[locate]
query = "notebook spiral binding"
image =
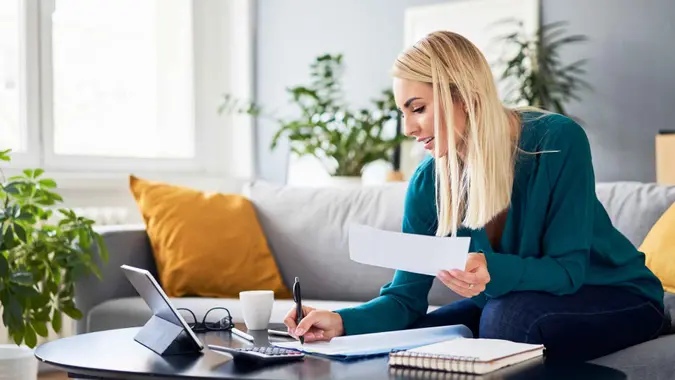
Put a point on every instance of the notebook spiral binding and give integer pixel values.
(423, 374)
(402, 358)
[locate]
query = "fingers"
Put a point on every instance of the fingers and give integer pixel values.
(471, 264)
(314, 335)
(465, 277)
(307, 323)
(474, 261)
(289, 320)
(461, 287)
(291, 317)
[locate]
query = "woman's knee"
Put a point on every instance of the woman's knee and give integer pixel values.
(463, 312)
(512, 317)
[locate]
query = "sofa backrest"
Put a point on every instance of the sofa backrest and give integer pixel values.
(307, 230)
(634, 207)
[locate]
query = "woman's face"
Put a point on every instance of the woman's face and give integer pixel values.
(415, 100)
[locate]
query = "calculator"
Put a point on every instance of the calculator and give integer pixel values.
(260, 354)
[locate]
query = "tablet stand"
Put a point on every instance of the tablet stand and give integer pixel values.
(165, 338)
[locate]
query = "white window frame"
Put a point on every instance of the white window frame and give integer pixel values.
(223, 63)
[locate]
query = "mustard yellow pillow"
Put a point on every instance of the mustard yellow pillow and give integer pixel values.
(205, 244)
(659, 249)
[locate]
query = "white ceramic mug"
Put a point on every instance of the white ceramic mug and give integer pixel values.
(257, 308)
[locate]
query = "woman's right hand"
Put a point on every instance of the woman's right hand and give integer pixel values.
(317, 325)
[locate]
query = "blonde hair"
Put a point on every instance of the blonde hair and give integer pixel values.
(473, 188)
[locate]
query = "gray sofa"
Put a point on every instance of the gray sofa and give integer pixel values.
(307, 229)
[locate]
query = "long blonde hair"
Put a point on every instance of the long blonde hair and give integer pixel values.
(474, 187)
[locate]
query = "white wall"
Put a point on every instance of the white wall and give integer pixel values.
(631, 52)
(291, 33)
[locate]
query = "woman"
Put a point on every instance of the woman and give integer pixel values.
(547, 265)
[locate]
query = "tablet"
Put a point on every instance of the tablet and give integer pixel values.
(153, 295)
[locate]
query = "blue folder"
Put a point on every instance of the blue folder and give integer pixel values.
(368, 345)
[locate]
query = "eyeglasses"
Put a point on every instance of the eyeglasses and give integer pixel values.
(218, 320)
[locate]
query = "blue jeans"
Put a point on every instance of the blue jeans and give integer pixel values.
(593, 322)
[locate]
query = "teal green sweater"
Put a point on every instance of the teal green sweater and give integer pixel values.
(557, 236)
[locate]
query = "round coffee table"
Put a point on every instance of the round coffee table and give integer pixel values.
(114, 354)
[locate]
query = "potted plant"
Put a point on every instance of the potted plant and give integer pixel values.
(344, 140)
(531, 68)
(39, 262)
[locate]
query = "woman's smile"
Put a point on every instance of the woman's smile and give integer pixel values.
(427, 141)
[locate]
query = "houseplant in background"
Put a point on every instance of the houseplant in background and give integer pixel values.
(39, 262)
(343, 139)
(531, 68)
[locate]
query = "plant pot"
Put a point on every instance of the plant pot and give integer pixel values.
(342, 181)
(17, 363)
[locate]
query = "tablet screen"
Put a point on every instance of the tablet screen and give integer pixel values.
(153, 294)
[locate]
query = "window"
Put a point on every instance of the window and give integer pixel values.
(119, 86)
(12, 128)
(122, 78)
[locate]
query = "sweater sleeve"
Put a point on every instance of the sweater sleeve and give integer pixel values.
(403, 300)
(568, 231)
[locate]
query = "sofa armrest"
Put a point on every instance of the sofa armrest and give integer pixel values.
(127, 244)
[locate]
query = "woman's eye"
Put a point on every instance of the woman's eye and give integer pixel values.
(419, 109)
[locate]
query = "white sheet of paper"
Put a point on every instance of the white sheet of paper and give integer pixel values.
(368, 344)
(409, 252)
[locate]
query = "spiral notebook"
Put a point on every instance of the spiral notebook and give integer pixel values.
(475, 356)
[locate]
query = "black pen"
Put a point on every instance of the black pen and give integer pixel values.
(297, 297)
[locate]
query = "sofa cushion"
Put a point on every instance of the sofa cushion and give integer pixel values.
(307, 230)
(634, 207)
(645, 361)
(659, 249)
(205, 244)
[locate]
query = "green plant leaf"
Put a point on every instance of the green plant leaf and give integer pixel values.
(28, 173)
(12, 188)
(47, 183)
(27, 213)
(41, 300)
(43, 315)
(40, 328)
(102, 248)
(17, 336)
(15, 309)
(52, 286)
(72, 311)
(4, 267)
(56, 321)
(8, 239)
(4, 155)
(20, 232)
(25, 291)
(22, 278)
(6, 312)
(29, 336)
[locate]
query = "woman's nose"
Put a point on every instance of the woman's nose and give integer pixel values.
(410, 128)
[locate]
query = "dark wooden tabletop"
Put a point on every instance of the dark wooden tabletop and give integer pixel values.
(115, 355)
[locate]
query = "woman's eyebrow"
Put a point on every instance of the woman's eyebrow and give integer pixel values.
(407, 102)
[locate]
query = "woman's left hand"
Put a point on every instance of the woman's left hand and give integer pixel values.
(472, 280)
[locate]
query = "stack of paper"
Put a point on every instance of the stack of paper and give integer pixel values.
(356, 346)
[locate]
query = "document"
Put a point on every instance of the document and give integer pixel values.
(356, 346)
(409, 252)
